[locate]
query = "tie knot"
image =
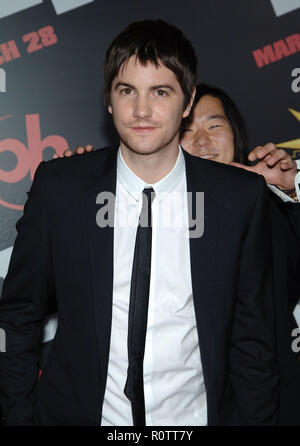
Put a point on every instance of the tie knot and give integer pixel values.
(145, 216)
(149, 192)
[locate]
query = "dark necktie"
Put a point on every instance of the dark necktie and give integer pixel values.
(138, 311)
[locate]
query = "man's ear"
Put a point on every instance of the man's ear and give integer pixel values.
(110, 109)
(188, 108)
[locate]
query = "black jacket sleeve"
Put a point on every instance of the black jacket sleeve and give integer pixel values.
(26, 301)
(253, 364)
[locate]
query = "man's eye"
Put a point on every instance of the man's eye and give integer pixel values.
(161, 93)
(214, 126)
(125, 91)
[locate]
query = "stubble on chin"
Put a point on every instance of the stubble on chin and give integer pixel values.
(146, 148)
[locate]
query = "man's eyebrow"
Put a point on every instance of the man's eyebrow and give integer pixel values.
(123, 84)
(168, 86)
(217, 117)
(154, 87)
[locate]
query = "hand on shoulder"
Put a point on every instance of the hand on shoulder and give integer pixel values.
(79, 150)
(277, 167)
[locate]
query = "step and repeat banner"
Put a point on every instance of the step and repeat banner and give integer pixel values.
(51, 77)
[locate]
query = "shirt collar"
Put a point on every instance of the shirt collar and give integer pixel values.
(135, 185)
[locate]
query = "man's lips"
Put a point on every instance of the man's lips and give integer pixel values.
(209, 155)
(143, 129)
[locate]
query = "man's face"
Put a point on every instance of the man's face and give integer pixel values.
(209, 135)
(147, 107)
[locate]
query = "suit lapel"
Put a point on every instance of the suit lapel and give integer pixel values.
(101, 253)
(203, 253)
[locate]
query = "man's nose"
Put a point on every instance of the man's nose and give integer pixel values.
(201, 138)
(142, 107)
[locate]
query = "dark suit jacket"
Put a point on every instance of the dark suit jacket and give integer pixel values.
(60, 251)
(285, 229)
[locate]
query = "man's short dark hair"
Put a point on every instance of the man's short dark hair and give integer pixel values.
(153, 41)
(232, 113)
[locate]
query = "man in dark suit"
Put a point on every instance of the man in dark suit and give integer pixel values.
(208, 354)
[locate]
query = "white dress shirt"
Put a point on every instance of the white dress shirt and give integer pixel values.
(173, 380)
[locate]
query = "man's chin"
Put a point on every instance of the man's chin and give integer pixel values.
(140, 150)
(143, 147)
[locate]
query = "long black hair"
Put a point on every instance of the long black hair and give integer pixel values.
(232, 113)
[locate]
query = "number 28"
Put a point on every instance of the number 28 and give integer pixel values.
(38, 40)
